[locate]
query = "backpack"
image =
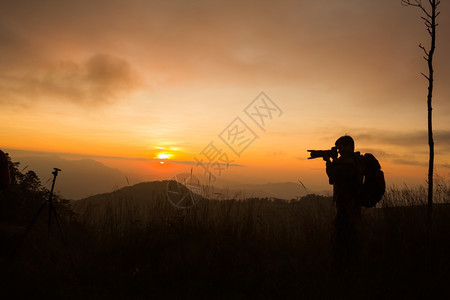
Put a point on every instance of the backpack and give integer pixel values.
(5, 176)
(374, 185)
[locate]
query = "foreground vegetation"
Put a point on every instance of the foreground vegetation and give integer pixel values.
(253, 248)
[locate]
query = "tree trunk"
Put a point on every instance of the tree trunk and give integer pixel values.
(432, 31)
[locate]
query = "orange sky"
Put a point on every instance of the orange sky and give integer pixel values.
(130, 79)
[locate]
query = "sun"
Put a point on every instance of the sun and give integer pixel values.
(163, 155)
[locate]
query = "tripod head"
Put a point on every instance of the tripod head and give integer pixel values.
(55, 172)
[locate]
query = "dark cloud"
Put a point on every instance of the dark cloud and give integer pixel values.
(405, 139)
(379, 153)
(404, 159)
(16, 50)
(415, 146)
(409, 162)
(101, 79)
(314, 44)
(412, 158)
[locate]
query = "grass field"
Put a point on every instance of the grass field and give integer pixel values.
(252, 248)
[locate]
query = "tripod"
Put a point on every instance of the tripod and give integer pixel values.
(51, 210)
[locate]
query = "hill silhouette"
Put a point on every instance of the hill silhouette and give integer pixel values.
(281, 190)
(126, 206)
(136, 205)
(82, 178)
(79, 178)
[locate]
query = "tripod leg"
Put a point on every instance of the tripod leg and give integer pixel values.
(50, 204)
(62, 236)
(34, 220)
(30, 226)
(52, 207)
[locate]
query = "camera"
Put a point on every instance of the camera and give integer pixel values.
(333, 153)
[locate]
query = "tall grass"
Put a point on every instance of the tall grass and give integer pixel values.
(135, 244)
(418, 195)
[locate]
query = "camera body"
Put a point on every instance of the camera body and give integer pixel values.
(333, 153)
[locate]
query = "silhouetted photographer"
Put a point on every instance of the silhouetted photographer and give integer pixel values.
(357, 182)
(345, 173)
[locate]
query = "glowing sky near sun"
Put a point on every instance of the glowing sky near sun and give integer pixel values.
(134, 83)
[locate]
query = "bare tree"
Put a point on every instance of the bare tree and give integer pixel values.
(430, 15)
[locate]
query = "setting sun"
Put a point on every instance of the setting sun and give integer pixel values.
(163, 155)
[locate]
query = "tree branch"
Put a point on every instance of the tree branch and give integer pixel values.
(427, 22)
(408, 3)
(424, 50)
(418, 3)
(428, 78)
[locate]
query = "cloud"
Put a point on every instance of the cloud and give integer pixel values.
(402, 147)
(409, 162)
(99, 80)
(313, 44)
(411, 147)
(405, 139)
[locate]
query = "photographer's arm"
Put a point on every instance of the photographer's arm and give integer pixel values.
(330, 169)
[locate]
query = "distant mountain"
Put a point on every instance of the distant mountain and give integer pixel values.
(281, 190)
(78, 178)
(148, 202)
(128, 205)
(86, 177)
